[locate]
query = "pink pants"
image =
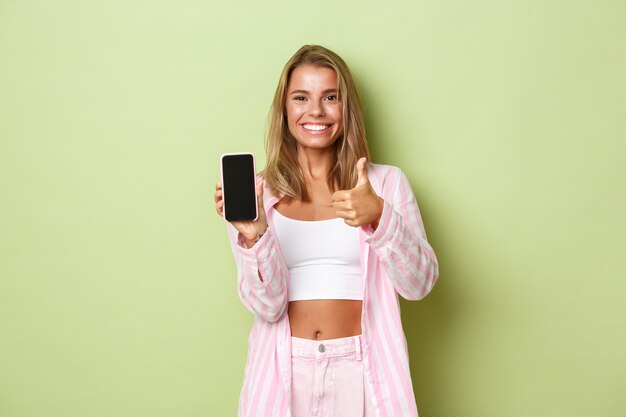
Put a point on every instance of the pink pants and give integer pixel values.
(328, 379)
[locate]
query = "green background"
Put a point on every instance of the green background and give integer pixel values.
(117, 285)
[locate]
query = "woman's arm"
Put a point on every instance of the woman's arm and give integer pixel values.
(261, 275)
(400, 240)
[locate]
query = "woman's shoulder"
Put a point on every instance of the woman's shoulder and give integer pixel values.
(384, 178)
(269, 196)
(384, 170)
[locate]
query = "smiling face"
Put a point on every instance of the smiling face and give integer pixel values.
(314, 110)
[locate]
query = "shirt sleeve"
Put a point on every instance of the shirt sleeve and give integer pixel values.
(400, 240)
(261, 275)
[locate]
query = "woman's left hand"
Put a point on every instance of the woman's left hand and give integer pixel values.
(360, 205)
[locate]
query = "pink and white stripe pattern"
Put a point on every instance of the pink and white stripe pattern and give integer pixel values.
(396, 259)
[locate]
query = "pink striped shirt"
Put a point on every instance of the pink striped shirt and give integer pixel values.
(395, 258)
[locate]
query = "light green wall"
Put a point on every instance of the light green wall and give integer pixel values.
(117, 287)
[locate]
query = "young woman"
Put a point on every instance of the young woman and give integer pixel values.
(336, 241)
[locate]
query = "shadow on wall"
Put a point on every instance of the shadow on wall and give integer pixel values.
(430, 327)
(427, 326)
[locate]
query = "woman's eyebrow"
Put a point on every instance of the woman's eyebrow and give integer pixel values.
(329, 90)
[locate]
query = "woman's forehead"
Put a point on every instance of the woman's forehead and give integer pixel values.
(312, 78)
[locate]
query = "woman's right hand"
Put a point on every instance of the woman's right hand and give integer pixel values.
(249, 229)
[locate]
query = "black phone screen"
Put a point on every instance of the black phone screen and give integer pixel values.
(238, 186)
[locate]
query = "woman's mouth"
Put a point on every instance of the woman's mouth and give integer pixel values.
(316, 129)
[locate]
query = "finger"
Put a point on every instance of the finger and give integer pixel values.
(346, 214)
(218, 195)
(219, 207)
(361, 172)
(351, 222)
(259, 194)
(342, 205)
(340, 195)
(218, 186)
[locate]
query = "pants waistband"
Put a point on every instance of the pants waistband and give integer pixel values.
(314, 349)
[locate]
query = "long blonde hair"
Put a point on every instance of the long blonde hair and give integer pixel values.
(283, 173)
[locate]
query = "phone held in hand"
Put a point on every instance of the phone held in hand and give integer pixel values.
(239, 187)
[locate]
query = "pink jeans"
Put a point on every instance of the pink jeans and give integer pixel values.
(328, 379)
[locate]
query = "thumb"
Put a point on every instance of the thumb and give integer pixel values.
(259, 193)
(361, 172)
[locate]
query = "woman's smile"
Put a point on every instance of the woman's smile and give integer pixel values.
(316, 129)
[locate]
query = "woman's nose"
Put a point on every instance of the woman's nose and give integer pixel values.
(316, 109)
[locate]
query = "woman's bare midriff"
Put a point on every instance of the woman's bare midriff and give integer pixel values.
(320, 319)
(325, 319)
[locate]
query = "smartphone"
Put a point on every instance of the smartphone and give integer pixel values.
(239, 187)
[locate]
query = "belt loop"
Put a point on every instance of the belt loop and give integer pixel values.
(357, 343)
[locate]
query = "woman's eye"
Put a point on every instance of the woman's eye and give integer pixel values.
(299, 98)
(331, 98)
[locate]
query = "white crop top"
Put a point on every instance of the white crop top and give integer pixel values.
(322, 257)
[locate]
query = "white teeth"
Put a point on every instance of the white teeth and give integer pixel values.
(316, 127)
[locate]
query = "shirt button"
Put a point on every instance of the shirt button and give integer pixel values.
(321, 348)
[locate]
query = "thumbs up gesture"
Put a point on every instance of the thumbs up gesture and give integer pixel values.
(360, 205)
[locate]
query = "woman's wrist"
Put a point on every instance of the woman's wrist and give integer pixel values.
(251, 241)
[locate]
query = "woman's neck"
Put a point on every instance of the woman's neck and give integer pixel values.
(315, 163)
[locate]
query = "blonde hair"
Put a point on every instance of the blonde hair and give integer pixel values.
(283, 173)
